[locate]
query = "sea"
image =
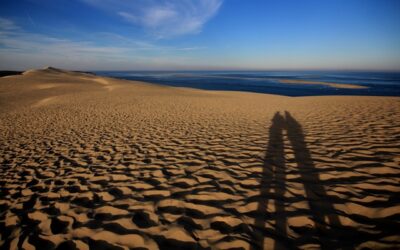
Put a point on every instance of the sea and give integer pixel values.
(377, 83)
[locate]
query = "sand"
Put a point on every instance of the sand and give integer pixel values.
(99, 163)
(330, 84)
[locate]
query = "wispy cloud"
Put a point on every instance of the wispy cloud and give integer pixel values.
(7, 25)
(163, 18)
(20, 49)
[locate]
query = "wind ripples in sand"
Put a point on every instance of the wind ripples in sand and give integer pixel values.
(155, 167)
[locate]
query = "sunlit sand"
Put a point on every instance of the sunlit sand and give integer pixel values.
(100, 163)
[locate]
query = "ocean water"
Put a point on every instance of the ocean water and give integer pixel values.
(378, 83)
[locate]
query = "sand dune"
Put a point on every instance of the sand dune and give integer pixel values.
(99, 163)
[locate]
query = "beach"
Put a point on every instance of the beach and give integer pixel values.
(90, 162)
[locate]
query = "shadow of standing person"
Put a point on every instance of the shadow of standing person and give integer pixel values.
(320, 207)
(273, 186)
(273, 178)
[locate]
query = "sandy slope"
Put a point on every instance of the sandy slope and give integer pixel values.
(99, 163)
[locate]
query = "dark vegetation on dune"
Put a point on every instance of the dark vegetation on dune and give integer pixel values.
(10, 73)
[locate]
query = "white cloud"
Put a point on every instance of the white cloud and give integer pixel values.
(20, 49)
(163, 18)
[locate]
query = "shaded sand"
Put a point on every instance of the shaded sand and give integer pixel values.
(330, 84)
(100, 163)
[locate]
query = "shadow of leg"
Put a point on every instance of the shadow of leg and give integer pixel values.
(273, 166)
(321, 208)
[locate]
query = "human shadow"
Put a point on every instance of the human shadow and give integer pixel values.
(273, 188)
(273, 179)
(321, 208)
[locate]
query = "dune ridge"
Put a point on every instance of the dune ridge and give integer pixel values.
(100, 163)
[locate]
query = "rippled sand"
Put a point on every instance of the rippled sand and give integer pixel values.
(99, 163)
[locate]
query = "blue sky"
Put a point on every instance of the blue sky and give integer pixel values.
(200, 34)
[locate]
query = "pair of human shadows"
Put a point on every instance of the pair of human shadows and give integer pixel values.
(321, 210)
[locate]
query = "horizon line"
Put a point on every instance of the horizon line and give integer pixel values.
(226, 69)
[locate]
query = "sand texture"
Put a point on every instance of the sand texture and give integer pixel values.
(99, 163)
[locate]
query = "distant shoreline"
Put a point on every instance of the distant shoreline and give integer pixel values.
(279, 82)
(291, 83)
(330, 84)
